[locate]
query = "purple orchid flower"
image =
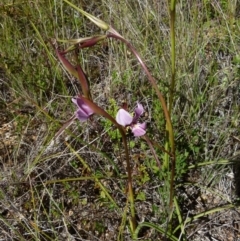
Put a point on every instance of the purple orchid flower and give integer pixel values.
(125, 119)
(84, 111)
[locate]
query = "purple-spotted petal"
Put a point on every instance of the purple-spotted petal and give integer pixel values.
(139, 129)
(124, 118)
(84, 111)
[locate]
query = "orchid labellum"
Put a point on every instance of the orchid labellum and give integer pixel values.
(125, 119)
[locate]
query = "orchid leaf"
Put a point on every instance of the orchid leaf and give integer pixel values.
(76, 72)
(101, 24)
(74, 41)
(83, 81)
(67, 65)
(65, 126)
(83, 42)
(92, 41)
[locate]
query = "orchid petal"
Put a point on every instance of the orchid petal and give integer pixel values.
(138, 112)
(77, 101)
(139, 129)
(123, 118)
(81, 115)
(84, 111)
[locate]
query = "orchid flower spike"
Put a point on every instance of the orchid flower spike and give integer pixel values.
(125, 119)
(84, 111)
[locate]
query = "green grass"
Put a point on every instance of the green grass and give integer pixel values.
(75, 186)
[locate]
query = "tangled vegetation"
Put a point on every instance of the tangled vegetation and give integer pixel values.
(119, 120)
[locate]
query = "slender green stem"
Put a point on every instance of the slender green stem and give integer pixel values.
(172, 10)
(100, 111)
(133, 221)
(173, 55)
(173, 60)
